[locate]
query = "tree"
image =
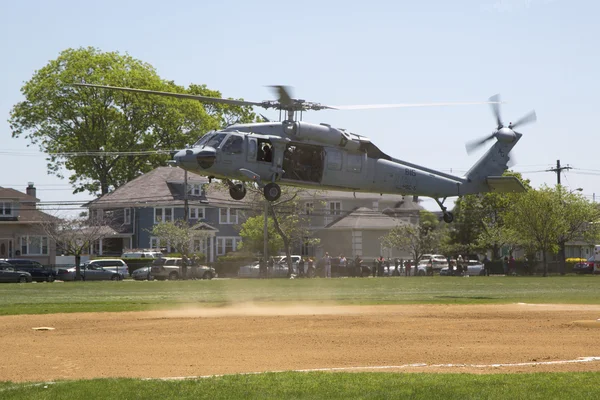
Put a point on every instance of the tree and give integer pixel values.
(252, 233)
(180, 235)
(75, 236)
(288, 215)
(536, 216)
(580, 217)
(480, 221)
(417, 239)
(64, 119)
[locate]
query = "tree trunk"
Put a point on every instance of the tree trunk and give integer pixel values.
(495, 252)
(286, 240)
(562, 267)
(545, 262)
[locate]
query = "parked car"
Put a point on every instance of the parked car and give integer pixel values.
(90, 272)
(252, 270)
(9, 274)
(171, 268)
(142, 274)
(111, 264)
(474, 267)
(439, 261)
(584, 268)
(38, 272)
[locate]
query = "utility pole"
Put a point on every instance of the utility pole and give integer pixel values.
(558, 170)
(186, 207)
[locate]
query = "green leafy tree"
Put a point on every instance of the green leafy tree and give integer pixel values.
(480, 221)
(180, 235)
(536, 216)
(63, 119)
(580, 217)
(252, 233)
(426, 237)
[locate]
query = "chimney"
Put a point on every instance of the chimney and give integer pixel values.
(415, 199)
(30, 189)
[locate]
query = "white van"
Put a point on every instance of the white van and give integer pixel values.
(141, 254)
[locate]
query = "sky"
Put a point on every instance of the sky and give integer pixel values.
(537, 54)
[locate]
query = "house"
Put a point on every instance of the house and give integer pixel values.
(22, 233)
(352, 223)
(131, 211)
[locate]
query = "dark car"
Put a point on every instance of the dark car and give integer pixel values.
(8, 274)
(38, 272)
(583, 268)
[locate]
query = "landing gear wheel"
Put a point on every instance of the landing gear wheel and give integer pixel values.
(272, 191)
(448, 217)
(237, 192)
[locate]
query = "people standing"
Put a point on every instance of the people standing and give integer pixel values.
(486, 265)
(505, 265)
(310, 269)
(343, 264)
(358, 266)
(459, 265)
(512, 266)
(327, 262)
(301, 267)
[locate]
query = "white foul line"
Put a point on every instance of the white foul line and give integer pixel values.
(404, 366)
(417, 365)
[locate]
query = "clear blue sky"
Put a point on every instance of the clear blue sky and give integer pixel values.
(538, 54)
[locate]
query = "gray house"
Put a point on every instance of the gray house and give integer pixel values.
(352, 223)
(159, 196)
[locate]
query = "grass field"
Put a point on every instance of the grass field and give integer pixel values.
(131, 296)
(44, 298)
(324, 385)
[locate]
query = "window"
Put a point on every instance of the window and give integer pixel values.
(196, 213)
(309, 207)
(34, 245)
(156, 244)
(334, 160)
(233, 145)
(228, 216)
(335, 208)
(227, 244)
(6, 208)
(163, 214)
(195, 189)
(127, 216)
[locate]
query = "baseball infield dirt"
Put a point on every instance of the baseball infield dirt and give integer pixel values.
(251, 338)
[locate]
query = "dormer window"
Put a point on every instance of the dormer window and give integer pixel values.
(6, 208)
(195, 189)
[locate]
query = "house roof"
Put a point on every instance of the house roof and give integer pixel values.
(12, 194)
(365, 218)
(161, 186)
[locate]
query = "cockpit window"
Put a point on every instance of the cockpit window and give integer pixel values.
(215, 140)
(204, 138)
(233, 145)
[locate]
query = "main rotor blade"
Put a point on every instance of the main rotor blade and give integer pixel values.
(283, 94)
(475, 144)
(527, 119)
(177, 95)
(402, 105)
(494, 101)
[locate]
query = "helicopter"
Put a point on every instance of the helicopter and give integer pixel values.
(302, 154)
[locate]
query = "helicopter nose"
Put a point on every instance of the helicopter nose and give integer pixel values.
(188, 158)
(206, 157)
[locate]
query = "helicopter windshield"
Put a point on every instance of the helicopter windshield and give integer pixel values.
(202, 141)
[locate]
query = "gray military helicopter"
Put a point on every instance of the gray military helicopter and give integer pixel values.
(297, 153)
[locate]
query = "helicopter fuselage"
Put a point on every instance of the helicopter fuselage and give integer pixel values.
(310, 155)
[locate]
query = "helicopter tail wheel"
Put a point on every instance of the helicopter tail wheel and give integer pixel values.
(272, 191)
(448, 217)
(237, 191)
